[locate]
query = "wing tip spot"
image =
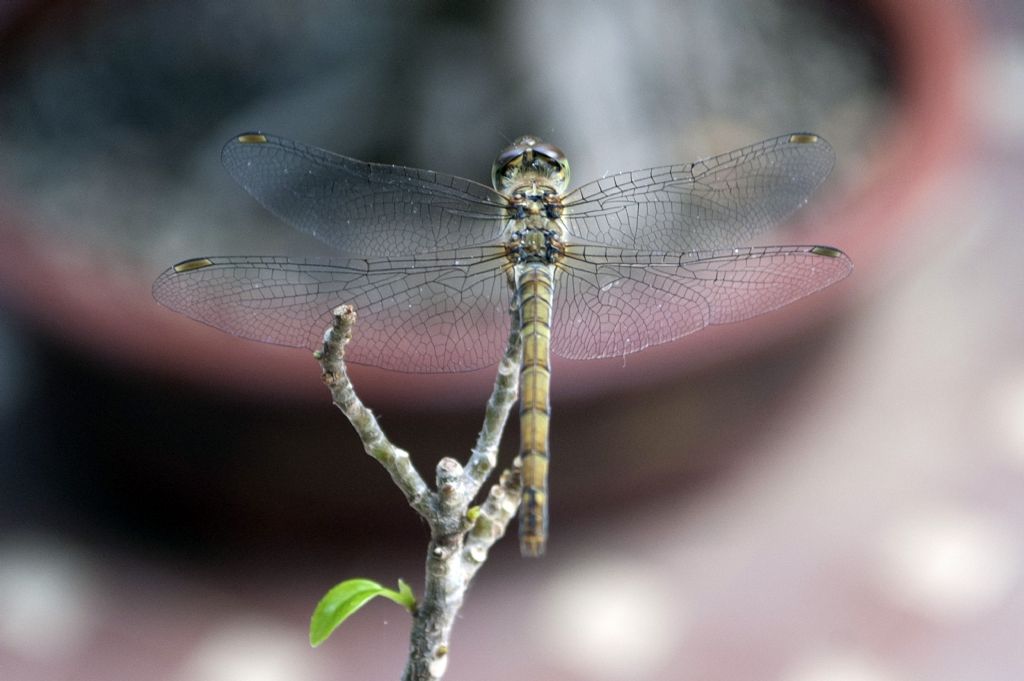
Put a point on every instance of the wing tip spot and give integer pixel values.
(804, 138)
(193, 264)
(827, 251)
(251, 138)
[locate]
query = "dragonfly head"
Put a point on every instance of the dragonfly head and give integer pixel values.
(530, 158)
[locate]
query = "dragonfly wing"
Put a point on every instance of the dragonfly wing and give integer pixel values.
(714, 203)
(612, 302)
(418, 314)
(363, 208)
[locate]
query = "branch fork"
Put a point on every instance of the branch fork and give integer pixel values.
(460, 536)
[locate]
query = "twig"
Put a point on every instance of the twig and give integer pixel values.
(335, 376)
(460, 538)
(503, 396)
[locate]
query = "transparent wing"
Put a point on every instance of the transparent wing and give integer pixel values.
(363, 208)
(611, 302)
(719, 202)
(437, 313)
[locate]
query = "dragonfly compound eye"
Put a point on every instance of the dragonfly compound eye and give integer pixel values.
(526, 159)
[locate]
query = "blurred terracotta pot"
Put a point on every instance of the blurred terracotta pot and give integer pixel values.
(105, 307)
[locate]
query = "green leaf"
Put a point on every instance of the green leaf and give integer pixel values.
(344, 599)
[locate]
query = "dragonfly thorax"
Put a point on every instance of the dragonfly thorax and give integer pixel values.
(533, 204)
(534, 245)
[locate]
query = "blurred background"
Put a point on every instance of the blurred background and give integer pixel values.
(832, 491)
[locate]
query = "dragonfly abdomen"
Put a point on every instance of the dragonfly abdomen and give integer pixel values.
(536, 288)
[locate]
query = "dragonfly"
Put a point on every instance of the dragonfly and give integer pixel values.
(434, 263)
